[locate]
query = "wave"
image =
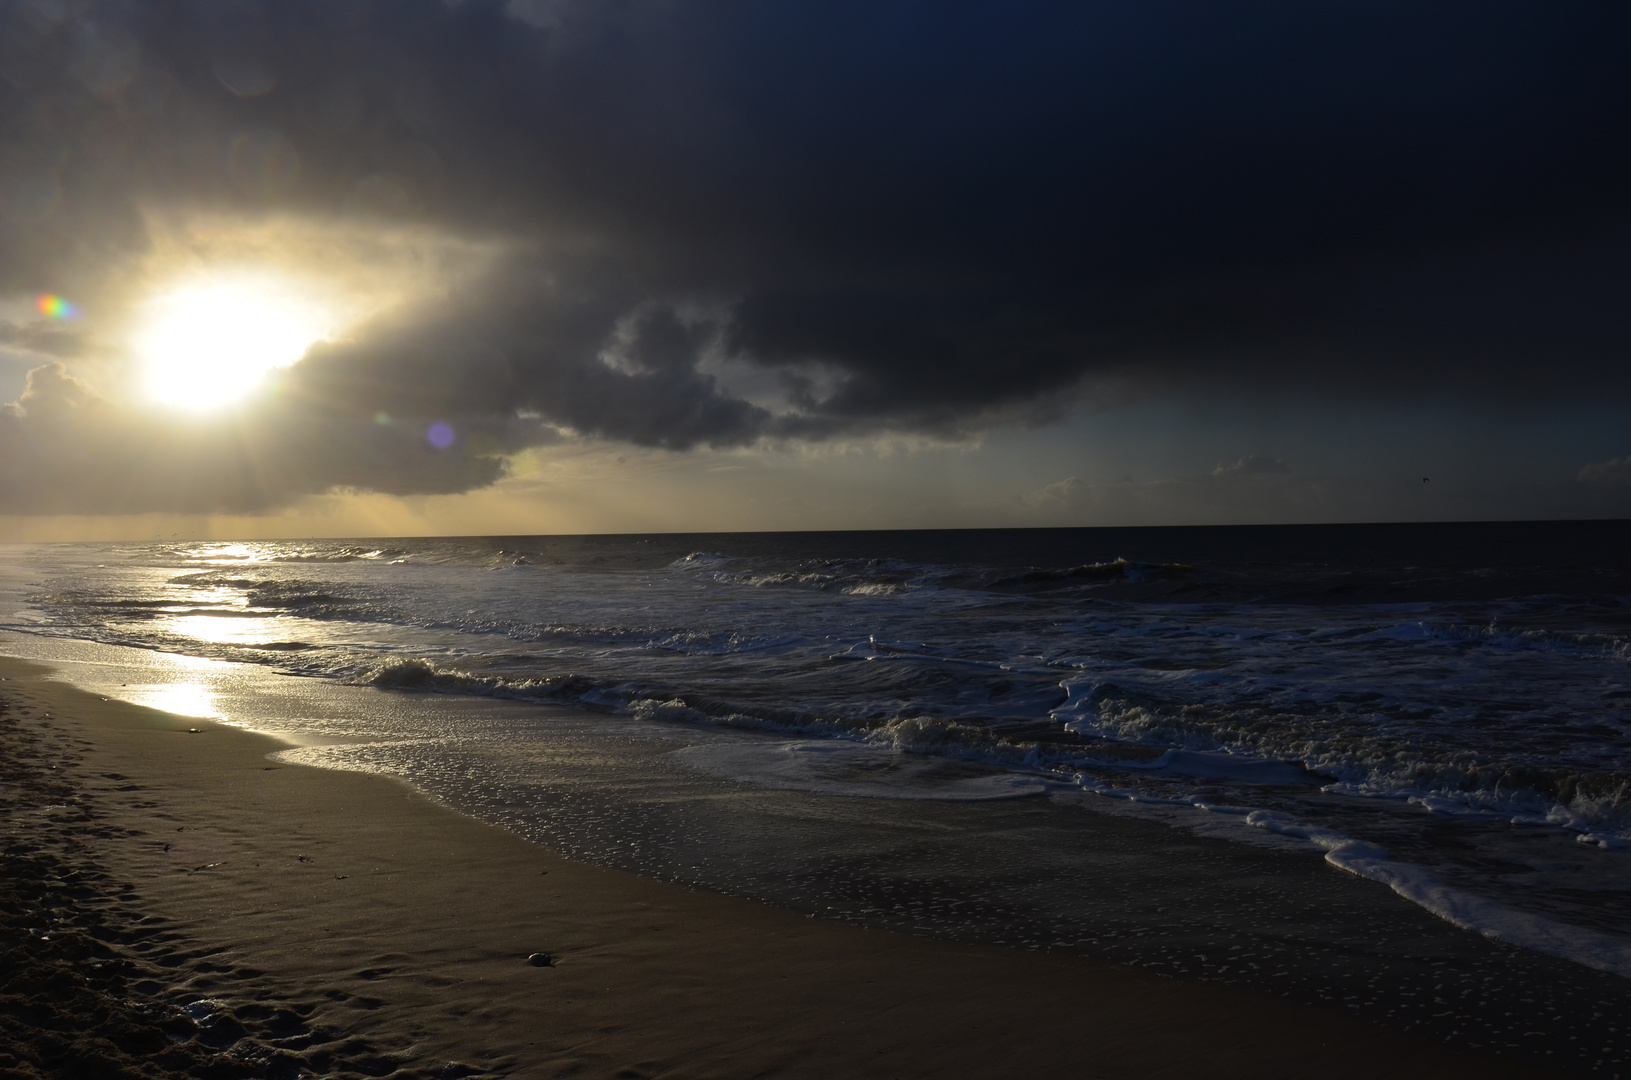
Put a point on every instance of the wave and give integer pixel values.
(1418, 884)
(1367, 762)
(1098, 729)
(881, 577)
(703, 560)
(263, 552)
(1031, 766)
(340, 555)
(1492, 636)
(1117, 569)
(298, 596)
(422, 675)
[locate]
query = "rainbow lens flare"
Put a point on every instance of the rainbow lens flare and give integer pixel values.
(53, 306)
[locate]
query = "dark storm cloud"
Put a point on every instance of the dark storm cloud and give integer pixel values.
(951, 211)
(597, 358)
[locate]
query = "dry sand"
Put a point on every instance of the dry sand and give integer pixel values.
(180, 905)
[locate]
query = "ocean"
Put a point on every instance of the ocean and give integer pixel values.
(1385, 768)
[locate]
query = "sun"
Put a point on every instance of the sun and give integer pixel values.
(208, 344)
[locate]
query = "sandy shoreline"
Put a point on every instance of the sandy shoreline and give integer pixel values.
(342, 924)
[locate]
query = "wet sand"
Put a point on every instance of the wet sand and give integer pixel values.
(181, 905)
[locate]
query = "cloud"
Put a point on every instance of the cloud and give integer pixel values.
(1616, 472)
(63, 449)
(956, 217)
(50, 395)
(1252, 488)
(1251, 465)
(1062, 495)
(43, 338)
(602, 364)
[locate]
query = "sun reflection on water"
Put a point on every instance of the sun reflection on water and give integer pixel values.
(228, 628)
(227, 554)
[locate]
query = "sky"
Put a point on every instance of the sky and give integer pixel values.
(402, 267)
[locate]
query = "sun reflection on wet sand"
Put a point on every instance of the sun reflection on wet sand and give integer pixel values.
(184, 685)
(301, 712)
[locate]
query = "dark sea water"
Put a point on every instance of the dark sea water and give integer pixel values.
(1383, 767)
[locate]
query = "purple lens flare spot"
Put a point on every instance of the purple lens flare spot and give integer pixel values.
(440, 436)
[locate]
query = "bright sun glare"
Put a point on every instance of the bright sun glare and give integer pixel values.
(208, 345)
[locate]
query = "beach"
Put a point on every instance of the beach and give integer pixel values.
(556, 538)
(273, 919)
